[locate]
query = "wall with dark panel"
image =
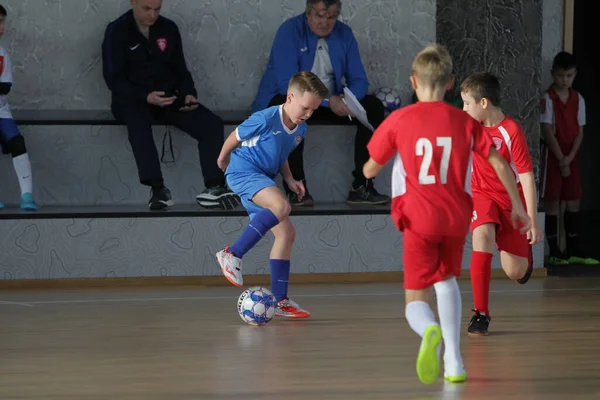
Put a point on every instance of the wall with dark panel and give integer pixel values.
(503, 37)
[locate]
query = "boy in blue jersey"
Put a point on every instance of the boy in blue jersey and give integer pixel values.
(11, 140)
(267, 138)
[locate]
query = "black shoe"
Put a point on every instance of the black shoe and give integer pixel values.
(306, 201)
(218, 197)
(528, 273)
(479, 324)
(160, 199)
(366, 194)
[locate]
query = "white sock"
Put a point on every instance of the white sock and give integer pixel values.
(23, 170)
(450, 309)
(419, 316)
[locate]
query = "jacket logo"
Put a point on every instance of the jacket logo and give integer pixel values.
(162, 44)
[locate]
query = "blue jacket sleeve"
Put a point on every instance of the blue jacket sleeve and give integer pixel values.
(113, 68)
(285, 56)
(356, 77)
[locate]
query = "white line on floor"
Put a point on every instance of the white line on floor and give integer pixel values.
(200, 298)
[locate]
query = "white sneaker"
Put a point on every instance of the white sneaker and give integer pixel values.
(290, 309)
(231, 266)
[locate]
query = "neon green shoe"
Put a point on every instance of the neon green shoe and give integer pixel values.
(556, 261)
(456, 376)
(582, 261)
(428, 360)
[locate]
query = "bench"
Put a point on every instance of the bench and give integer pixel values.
(179, 210)
(54, 119)
(104, 117)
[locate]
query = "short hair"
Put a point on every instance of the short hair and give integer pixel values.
(482, 85)
(564, 61)
(2, 11)
(306, 81)
(433, 65)
(328, 3)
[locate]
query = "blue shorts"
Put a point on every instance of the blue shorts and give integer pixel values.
(246, 185)
(8, 129)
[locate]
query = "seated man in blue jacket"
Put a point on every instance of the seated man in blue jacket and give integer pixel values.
(316, 41)
(144, 67)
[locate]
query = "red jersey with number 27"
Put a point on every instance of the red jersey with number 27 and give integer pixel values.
(510, 142)
(433, 143)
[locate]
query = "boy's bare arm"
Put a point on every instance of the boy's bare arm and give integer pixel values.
(230, 144)
(576, 145)
(507, 178)
(529, 191)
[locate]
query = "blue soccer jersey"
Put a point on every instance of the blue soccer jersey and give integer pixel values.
(266, 143)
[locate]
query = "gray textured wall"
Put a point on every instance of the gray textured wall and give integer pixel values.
(227, 43)
(134, 247)
(552, 37)
(505, 38)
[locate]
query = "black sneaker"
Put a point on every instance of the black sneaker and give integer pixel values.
(160, 199)
(528, 273)
(218, 197)
(306, 201)
(479, 324)
(367, 194)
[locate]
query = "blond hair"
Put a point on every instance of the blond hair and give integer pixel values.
(306, 81)
(433, 66)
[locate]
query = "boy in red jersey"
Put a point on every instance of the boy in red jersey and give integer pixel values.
(491, 223)
(433, 142)
(562, 120)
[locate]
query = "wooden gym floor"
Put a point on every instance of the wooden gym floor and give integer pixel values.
(187, 343)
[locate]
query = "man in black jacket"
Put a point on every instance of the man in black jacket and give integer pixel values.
(145, 69)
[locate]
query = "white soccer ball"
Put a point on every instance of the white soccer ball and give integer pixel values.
(389, 98)
(256, 306)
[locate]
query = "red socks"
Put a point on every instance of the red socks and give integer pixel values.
(481, 274)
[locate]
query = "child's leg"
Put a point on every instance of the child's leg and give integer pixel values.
(275, 208)
(266, 205)
(485, 220)
(421, 319)
(515, 267)
(420, 259)
(572, 228)
(449, 304)
(14, 142)
(484, 240)
(571, 194)
(551, 229)
(552, 183)
(280, 256)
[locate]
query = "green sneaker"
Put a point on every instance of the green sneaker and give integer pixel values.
(456, 378)
(428, 361)
(582, 261)
(555, 261)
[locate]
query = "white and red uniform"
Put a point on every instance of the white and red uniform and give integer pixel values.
(433, 143)
(566, 119)
(491, 203)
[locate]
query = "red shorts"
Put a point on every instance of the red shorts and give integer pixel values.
(429, 259)
(509, 239)
(554, 186)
